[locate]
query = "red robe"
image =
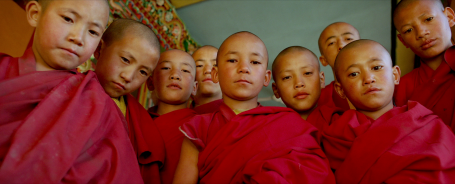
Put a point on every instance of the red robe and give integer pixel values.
(208, 107)
(407, 144)
(168, 125)
(434, 89)
(60, 126)
(331, 98)
(146, 138)
(261, 145)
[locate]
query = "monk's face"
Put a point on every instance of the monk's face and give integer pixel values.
(366, 76)
(124, 65)
(242, 67)
(424, 27)
(67, 32)
(298, 81)
(174, 77)
(205, 59)
(333, 39)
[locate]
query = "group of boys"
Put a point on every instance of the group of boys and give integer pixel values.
(59, 125)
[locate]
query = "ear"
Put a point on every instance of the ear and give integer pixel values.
(33, 11)
(450, 15)
(150, 84)
(339, 90)
(402, 41)
(195, 85)
(215, 74)
(322, 79)
(98, 50)
(323, 61)
(396, 74)
(268, 77)
(275, 90)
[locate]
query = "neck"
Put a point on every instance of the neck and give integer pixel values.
(434, 63)
(237, 104)
(164, 108)
(40, 64)
(376, 114)
(304, 114)
(201, 100)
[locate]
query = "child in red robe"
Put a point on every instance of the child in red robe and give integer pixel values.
(429, 37)
(208, 96)
(332, 39)
(173, 83)
(377, 142)
(244, 142)
(58, 125)
(298, 80)
(127, 55)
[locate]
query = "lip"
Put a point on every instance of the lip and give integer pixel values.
(71, 51)
(119, 85)
(372, 90)
(243, 81)
(301, 95)
(428, 44)
(174, 86)
(207, 80)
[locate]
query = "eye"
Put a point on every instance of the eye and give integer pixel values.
(215, 65)
(93, 32)
(308, 73)
(408, 30)
(353, 74)
(285, 78)
(231, 60)
(187, 71)
(377, 67)
(429, 19)
(125, 60)
(144, 73)
(255, 62)
(198, 66)
(165, 68)
(67, 19)
(349, 39)
(331, 43)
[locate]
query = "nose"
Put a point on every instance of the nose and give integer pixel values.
(421, 31)
(77, 34)
(208, 69)
(369, 78)
(127, 75)
(299, 83)
(175, 75)
(243, 67)
(341, 44)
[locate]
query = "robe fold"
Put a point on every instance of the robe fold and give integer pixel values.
(146, 139)
(331, 98)
(434, 89)
(208, 107)
(407, 144)
(261, 145)
(60, 126)
(168, 124)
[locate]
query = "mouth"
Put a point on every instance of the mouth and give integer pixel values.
(119, 85)
(301, 95)
(243, 81)
(174, 86)
(428, 44)
(372, 90)
(71, 51)
(207, 80)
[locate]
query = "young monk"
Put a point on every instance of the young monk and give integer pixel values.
(243, 141)
(173, 83)
(208, 96)
(377, 142)
(127, 55)
(424, 27)
(332, 39)
(298, 80)
(58, 125)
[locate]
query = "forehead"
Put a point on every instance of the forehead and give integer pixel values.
(138, 46)
(243, 44)
(363, 54)
(176, 57)
(414, 9)
(295, 60)
(337, 30)
(205, 52)
(95, 10)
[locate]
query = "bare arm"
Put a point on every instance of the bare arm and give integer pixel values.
(187, 171)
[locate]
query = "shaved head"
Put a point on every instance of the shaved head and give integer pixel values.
(322, 37)
(117, 30)
(45, 3)
(404, 3)
(243, 34)
(205, 47)
(292, 49)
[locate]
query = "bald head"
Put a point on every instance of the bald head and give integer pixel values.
(405, 3)
(205, 47)
(45, 3)
(246, 37)
(120, 27)
(336, 29)
(292, 50)
(176, 55)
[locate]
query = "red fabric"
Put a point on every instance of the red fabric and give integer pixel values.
(261, 145)
(168, 125)
(208, 107)
(60, 126)
(408, 144)
(331, 98)
(146, 139)
(434, 89)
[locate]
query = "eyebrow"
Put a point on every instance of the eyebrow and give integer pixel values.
(254, 53)
(79, 16)
(188, 65)
(346, 33)
(290, 70)
(370, 61)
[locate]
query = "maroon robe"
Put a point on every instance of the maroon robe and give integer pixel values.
(434, 89)
(208, 107)
(331, 98)
(407, 144)
(146, 138)
(60, 126)
(261, 145)
(168, 125)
